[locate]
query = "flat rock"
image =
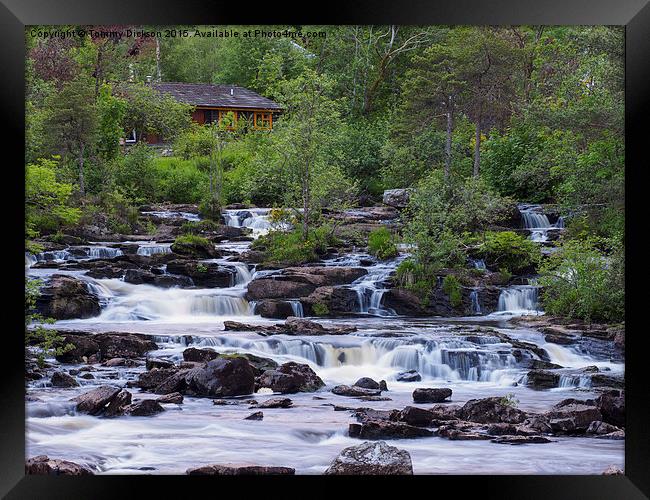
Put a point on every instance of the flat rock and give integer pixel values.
(371, 458)
(44, 465)
(240, 470)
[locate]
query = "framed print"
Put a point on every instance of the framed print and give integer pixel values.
(389, 243)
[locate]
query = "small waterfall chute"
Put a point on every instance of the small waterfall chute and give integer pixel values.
(519, 300)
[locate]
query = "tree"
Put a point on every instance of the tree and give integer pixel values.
(303, 139)
(72, 123)
(150, 112)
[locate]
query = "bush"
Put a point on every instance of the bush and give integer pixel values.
(290, 249)
(381, 244)
(198, 227)
(192, 239)
(179, 181)
(320, 309)
(509, 251)
(451, 286)
(580, 281)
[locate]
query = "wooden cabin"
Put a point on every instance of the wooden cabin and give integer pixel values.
(213, 103)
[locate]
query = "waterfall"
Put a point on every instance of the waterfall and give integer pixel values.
(103, 252)
(296, 306)
(519, 299)
(370, 288)
(153, 249)
(478, 264)
(30, 259)
(78, 253)
(537, 222)
(169, 214)
(476, 306)
(256, 219)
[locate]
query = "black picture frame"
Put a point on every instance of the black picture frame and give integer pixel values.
(633, 14)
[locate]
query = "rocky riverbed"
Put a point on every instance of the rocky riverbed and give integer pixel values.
(202, 361)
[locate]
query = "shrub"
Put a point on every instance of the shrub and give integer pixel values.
(451, 286)
(381, 244)
(582, 282)
(509, 251)
(320, 309)
(198, 227)
(192, 239)
(290, 248)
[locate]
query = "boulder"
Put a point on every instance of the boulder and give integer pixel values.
(196, 249)
(171, 281)
(153, 378)
(367, 383)
(139, 276)
(124, 345)
(371, 458)
(199, 355)
(258, 415)
(489, 411)
(118, 403)
(397, 198)
(382, 429)
(354, 391)
(612, 408)
(66, 297)
(413, 415)
(542, 379)
(276, 403)
(290, 378)
(143, 408)
(152, 363)
(274, 308)
(203, 274)
(222, 377)
(571, 418)
(599, 427)
(520, 440)
(408, 376)
(337, 299)
(43, 465)
(327, 275)
(171, 398)
(240, 470)
(94, 402)
(62, 379)
(431, 395)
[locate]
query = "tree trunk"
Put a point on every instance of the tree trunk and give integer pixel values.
(158, 75)
(477, 147)
(82, 187)
(450, 127)
(305, 204)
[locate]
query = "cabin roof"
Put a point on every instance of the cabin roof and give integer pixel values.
(215, 96)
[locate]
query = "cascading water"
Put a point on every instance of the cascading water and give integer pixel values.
(78, 253)
(519, 300)
(371, 288)
(476, 306)
(168, 214)
(154, 249)
(256, 219)
(537, 222)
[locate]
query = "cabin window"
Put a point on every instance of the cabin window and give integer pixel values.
(228, 119)
(131, 137)
(263, 121)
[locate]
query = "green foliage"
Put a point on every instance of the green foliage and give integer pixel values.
(451, 286)
(178, 181)
(198, 227)
(509, 251)
(45, 340)
(320, 309)
(581, 281)
(289, 247)
(192, 239)
(201, 268)
(509, 400)
(47, 207)
(110, 110)
(381, 244)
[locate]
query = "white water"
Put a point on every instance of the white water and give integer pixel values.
(371, 287)
(519, 300)
(165, 214)
(154, 248)
(537, 222)
(309, 435)
(256, 219)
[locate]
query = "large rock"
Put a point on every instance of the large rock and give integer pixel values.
(203, 274)
(196, 249)
(275, 403)
(199, 355)
(296, 282)
(44, 465)
(431, 395)
(104, 346)
(408, 376)
(337, 299)
(490, 410)
(354, 391)
(290, 378)
(222, 377)
(153, 378)
(274, 308)
(66, 297)
(144, 408)
(397, 198)
(240, 470)
(383, 429)
(542, 379)
(572, 418)
(94, 402)
(413, 415)
(116, 407)
(612, 408)
(371, 458)
(62, 379)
